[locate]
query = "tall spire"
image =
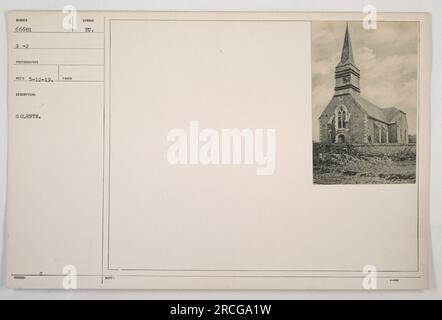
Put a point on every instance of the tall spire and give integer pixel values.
(347, 75)
(347, 51)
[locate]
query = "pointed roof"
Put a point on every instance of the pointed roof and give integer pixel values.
(390, 113)
(347, 50)
(382, 114)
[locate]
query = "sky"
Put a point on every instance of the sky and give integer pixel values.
(387, 57)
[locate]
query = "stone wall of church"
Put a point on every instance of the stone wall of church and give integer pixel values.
(354, 132)
(402, 127)
(393, 133)
(357, 125)
(377, 131)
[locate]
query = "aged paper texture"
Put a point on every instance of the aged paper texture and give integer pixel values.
(217, 150)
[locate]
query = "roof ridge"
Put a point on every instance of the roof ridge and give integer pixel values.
(372, 109)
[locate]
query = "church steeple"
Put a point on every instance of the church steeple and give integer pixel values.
(347, 50)
(347, 74)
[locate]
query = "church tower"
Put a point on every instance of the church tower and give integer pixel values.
(347, 75)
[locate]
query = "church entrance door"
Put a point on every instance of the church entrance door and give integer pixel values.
(341, 138)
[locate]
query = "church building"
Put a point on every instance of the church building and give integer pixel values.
(350, 118)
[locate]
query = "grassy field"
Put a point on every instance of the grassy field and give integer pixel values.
(347, 165)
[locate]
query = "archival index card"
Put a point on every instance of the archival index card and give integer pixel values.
(217, 150)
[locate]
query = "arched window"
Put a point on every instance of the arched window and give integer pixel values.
(341, 118)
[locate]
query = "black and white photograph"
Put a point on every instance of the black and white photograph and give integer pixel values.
(365, 101)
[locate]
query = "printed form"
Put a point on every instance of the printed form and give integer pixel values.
(122, 163)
